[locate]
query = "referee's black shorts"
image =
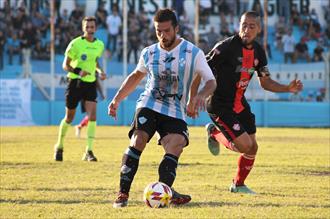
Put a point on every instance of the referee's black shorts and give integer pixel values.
(78, 90)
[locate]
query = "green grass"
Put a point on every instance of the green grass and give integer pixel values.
(291, 176)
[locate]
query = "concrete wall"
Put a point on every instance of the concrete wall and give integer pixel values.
(294, 114)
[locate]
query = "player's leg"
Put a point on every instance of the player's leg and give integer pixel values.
(91, 112)
(248, 152)
(64, 125)
(219, 132)
(72, 97)
(84, 121)
(142, 130)
(174, 137)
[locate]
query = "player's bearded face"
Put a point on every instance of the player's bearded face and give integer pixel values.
(249, 29)
(166, 33)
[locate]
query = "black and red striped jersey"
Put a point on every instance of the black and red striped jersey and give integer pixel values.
(233, 66)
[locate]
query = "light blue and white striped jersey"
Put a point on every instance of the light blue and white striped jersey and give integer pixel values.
(169, 77)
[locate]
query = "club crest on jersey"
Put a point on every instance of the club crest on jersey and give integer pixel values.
(236, 127)
(83, 57)
(142, 119)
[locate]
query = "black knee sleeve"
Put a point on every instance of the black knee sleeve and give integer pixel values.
(167, 169)
(130, 164)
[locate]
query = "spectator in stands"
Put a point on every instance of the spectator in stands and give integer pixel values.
(14, 48)
(101, 15)
(301, 50)
(288, 46)
(212, 37)
(40, 22)
(280, 25)
(134, 42)
(28, 39)
(114, 25)
(2, 47)
(304, 20)
(317, 53)
(295, 16)
(40, 52)
(76, 16)
(205, 7)
(18, 20)
(222, 7)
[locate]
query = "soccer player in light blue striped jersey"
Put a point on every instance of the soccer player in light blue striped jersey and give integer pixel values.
(171, 65)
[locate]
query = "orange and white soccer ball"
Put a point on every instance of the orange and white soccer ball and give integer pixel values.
(157, 195)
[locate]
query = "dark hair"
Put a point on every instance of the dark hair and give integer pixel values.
(88, 18)
(253, 14)
(166, 14)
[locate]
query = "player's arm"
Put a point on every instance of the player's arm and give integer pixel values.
(127, 87)
(192, 93)
(102, 74)
(270, 85)
(198, 99)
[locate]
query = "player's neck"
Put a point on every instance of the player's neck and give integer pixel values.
(89, 38)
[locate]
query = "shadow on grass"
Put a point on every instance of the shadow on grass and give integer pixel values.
(64, 202)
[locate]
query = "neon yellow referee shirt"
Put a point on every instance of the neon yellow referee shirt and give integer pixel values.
(84, 55)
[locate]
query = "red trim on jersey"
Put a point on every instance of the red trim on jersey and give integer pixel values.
(228, 130)
(241, 85)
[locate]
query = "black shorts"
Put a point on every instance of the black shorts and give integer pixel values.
(78, 90)
(234, 124)
(151, 121)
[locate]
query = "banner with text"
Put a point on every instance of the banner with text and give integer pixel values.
(15, 102)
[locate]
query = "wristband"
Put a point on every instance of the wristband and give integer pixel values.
(77, 71)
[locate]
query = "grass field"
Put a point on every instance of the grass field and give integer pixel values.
(291, 176)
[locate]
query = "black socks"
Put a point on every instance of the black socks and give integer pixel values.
(167, 169)
(130, 164)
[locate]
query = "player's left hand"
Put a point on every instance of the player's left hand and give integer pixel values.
(190, 110)
(295, 86)
(199, 104)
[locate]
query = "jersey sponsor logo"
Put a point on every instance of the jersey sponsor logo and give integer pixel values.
(169, 59)
(142, 120)
(236, 127)
(242, 84)
(83, 57)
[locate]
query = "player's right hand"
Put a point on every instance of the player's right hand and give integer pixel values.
(112, 109)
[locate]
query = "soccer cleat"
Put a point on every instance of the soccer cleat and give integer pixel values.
(241, 189)
(89, 156)
(58, 156)
(121, 200)
(179, 199)
(212, 143)
(78, 130)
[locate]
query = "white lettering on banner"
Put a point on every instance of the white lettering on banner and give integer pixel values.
(15, 102)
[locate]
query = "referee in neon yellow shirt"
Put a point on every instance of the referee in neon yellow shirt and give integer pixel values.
(81, 63)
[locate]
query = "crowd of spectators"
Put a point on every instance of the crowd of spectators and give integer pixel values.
(27, 30)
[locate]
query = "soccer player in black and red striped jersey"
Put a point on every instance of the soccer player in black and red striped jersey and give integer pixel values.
(233, 62)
